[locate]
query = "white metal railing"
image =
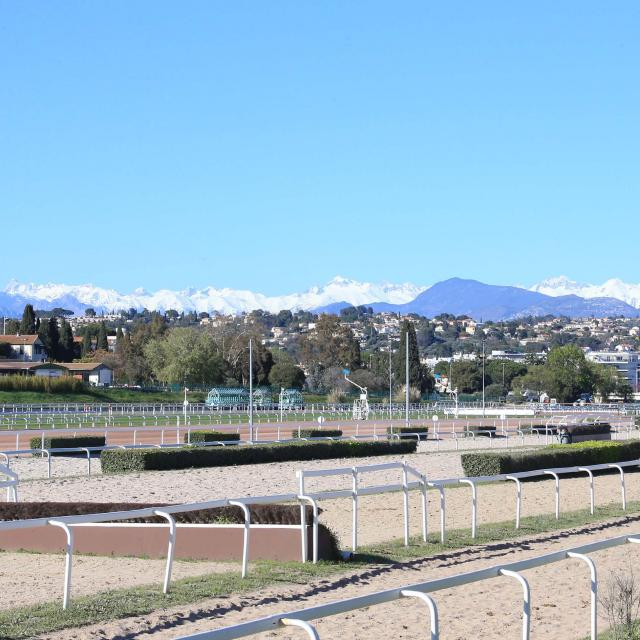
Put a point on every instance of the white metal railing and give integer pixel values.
(66, 523)
(422, 483)
(11, 484)
(356, 491)
(423, 591)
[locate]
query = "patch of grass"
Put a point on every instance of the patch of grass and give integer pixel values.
(25, 622)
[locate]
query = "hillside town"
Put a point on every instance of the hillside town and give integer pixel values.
(120, 348)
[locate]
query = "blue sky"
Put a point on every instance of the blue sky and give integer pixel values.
(272, 145)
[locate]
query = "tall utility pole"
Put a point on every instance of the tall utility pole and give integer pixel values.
(250, 390)
(483, 411)
(390, 385)
(406, 343)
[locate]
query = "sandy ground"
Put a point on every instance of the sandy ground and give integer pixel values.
(30, 578)
(35, 578)
(490, 609)
(31, 468)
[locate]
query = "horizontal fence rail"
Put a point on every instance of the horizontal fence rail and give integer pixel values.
(410, 479)
(423, 591)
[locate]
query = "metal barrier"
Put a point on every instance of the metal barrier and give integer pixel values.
(11, 484)
(66, 523)
(356, 491)
(422, 483)
(423, 591)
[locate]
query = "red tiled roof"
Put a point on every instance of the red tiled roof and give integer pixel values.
(18, 340)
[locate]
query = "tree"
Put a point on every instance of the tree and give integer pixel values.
(287, 375)
(102, 343)
(496, 369)
(419, 376)
(28, 322)
(568, 373)
(65, 345)
(89, 312)
(466, 376)
(331, 345)
(185, 355)
(261, 360)
(87, 346)
(54, 338)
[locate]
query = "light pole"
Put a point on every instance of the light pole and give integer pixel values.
(250, 390)
(390, 384)
(406, 341)
(281, 402)
(483, 406)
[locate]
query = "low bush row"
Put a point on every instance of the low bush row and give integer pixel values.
(553, 456)
(316, 433)
(65, 442)
(130, 460)
(211, 436)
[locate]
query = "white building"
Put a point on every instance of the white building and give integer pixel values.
(625, 362)
(27, 348)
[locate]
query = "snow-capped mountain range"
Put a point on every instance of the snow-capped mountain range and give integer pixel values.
(335, 294)
(210, 299)
(614, 288)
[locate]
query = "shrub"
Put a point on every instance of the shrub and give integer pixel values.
(65, 442)
(42, 384)
(316, 433)
(129, 460)
(553, 456)
(211, 436)
(408, 432)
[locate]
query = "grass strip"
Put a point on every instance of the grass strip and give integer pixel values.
(26, 622)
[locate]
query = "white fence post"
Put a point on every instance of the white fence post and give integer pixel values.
(526, 600)
(594, 590)
(433, 609)
(68, 560)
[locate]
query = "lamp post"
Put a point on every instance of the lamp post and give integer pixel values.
(281, 403)
(406, 342)
(250, 390)
(185, 404)
(483, 378)
(390, 385)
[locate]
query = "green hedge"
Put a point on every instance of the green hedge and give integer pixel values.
(316, 433)
(66, 442)
(128, 460)
(211, 436)
(588, 429)
(553, 456)
(406, 432)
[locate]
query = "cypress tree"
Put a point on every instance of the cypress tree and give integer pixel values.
(102, 343)
(28, 322)
(54, 338)
(65, 350)
(86, 344)
(418, 376)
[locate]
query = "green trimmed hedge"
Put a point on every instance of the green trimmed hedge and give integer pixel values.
(588, 429)
(131, 460)
(211, 436)
(316, 433)
(66, 442)
(406, 432)
(571, 455)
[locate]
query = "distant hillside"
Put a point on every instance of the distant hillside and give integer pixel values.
(491, 302)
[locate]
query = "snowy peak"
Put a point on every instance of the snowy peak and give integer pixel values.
(613, 288)
(209, 299)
